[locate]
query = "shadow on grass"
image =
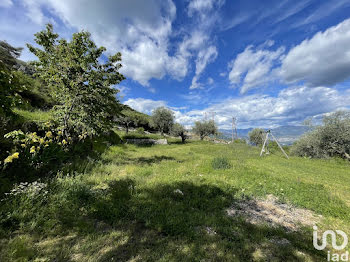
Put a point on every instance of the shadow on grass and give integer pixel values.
(178, 222)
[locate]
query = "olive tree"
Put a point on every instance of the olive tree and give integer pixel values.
(256, 136)
(179, 130)
(332, 138)
(205, 128)
(80, 82)
(163, 119)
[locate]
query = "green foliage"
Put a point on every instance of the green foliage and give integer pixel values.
(163, 119)
(220, 163)
(205, 128)
(256, 136)
(9, 54)
(129, 118)
(81, 84)
(179, 130)
(328, 140)
(140, 130)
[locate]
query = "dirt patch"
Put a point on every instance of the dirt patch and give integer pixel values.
(260, 211)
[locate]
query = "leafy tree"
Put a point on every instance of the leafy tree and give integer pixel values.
(81, 83)
(9, 54)
(205, 128)
(328, 140)
(256, 136)
(163, 119)
(127, 118)
(179, 130)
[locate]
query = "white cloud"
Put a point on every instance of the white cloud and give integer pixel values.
(253, 68)
(144, 105)
(6, 3)
(322, 60)
(139, 30)
(202, 6)
(205, 56)
(290, 106)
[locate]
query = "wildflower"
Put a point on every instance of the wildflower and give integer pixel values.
(64, 142)
(80, 137)
(32, 150)
(41, 141)
(49, 134)
(46, 145)
(15, 155)
(59, 132)
(23, 145)
(10, 158)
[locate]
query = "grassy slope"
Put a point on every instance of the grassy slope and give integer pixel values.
(154, 223)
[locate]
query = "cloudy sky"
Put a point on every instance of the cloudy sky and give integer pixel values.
(268, 63)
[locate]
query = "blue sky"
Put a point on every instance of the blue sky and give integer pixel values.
(268, 63)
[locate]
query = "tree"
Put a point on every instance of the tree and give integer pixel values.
(256, 136)
(327, 140)
(127, 118)
(205, 128)
(179, 130)
(163, 119)
(9, 54)
(81, 84)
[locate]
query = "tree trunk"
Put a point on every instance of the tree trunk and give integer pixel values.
(127, 128)
(183, 138)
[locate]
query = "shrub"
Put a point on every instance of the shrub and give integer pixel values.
(220, 163)
(328, 140)
(256, 136)
(140, 130)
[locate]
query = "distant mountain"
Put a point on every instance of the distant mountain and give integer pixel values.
(285, 134)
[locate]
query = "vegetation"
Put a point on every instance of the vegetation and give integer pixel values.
(205, 128)
(167, 203)
(179, 130)
(131, 118)
(75, 192)
(163, 119)
(256, 136)
(81, 84)
(332, 139)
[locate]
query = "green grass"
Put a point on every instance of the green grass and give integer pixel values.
(127, 206)
(35, 116)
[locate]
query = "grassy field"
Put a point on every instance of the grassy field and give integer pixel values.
(168, 202)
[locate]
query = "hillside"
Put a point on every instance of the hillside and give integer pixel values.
(285, 134)
(175, 203)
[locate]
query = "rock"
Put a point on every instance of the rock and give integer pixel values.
(161, 142)
(178, 191)
(146, 141)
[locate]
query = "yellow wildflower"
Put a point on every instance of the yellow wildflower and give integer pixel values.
(49, 134)
(59, 133)
(23, 145)
(41, 141)
(15, 155)
(8, 159)
(32, 149)
(64, 142)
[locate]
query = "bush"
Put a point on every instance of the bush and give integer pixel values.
(256, 136)
(220, 163)
(140, 130)
(328, 140)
